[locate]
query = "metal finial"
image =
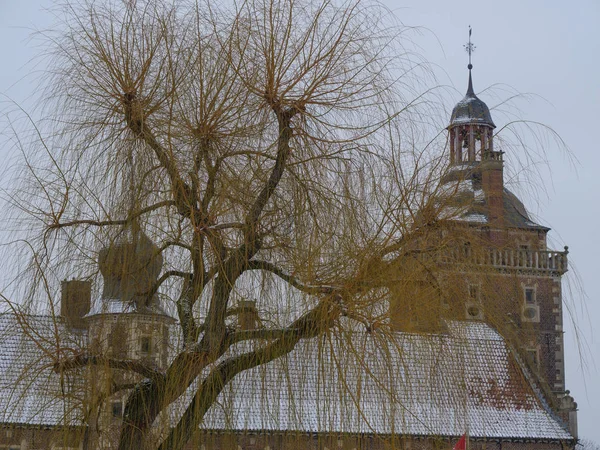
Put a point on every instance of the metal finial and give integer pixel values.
(470, 48)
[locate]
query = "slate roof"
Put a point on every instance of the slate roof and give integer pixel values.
(411, 384)
(471, 110)
(463, 199)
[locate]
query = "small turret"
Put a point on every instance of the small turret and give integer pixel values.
(471, 126)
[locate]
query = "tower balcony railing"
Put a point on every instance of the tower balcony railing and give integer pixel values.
(508, 259)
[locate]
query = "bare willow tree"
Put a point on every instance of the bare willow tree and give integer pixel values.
(262, 148)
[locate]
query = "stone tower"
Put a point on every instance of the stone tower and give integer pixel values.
(127, 323)
(510, 277)
(489, 258)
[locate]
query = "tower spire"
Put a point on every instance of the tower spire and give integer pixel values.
(470, 48)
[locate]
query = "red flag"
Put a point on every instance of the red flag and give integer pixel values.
(462, 443)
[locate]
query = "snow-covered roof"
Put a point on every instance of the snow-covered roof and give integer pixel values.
(31, 393)
(117, 306)
(413, 385)
(461, 198)
(436, 384)
(471, 110)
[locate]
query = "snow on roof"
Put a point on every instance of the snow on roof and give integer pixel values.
(30, 391)
(474, 217)
(471, 109)
(360, 383)
(461, 198)
(414, 385)
(117, 306)
(111, 306)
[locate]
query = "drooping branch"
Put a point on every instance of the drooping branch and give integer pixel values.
(136, 366)
(311, 324)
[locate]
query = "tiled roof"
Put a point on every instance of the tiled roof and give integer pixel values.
(359, 383)
(30, 391)
(416, 384)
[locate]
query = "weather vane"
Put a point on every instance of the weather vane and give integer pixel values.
(470, 48)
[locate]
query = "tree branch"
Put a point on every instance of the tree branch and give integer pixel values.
(103, 223)
(136, 366)
(168, 274)
(283, 151)
(292, 280)
(238, 261)
(181, 190)
(311, 324)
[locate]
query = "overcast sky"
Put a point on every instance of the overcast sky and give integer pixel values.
(545, 47)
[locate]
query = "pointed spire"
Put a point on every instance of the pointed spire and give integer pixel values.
(470, 48)
(470, 91)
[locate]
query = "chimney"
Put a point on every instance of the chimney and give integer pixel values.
(248, 315)
(493, 186)
(75, 300)
(567, 410)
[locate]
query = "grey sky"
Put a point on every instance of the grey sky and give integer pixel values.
(546, 47)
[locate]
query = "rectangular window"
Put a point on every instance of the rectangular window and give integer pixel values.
(117, 409)
(529, 296)
(474, 292)
(145, 345)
